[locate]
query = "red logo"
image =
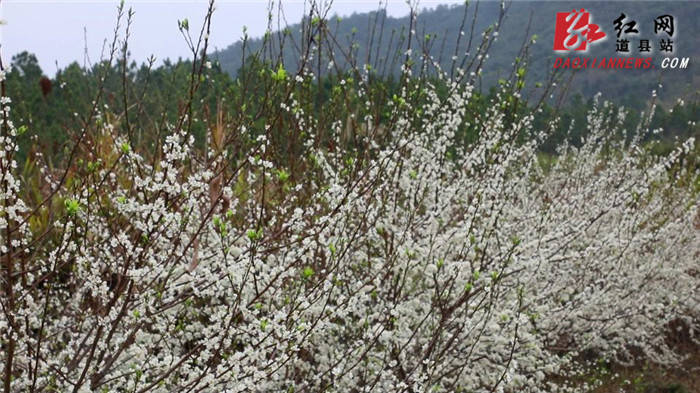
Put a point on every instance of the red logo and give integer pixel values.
(574, 31)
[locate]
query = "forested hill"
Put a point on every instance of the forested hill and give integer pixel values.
(382, 35)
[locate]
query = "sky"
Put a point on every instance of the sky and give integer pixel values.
(59, 32)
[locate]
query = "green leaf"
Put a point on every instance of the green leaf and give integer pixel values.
(252, 234)
(282, 175)
(72, 206)
(281, 73)
(307, 272)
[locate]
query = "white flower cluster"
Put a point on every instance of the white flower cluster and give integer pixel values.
(429, 266)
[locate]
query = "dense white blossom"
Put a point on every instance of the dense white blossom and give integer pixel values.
(487, 271)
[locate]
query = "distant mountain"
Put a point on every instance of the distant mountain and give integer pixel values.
(442, 23)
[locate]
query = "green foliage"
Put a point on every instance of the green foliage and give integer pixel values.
(280, 75)
(307, 272)
(254, 235)
(72, 206)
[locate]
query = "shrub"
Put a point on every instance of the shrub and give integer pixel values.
(407, 261)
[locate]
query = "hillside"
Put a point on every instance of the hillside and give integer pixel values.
(442, 23)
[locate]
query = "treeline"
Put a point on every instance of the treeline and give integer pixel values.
(53, 109)
(145, 100)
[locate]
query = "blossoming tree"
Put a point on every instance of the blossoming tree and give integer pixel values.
(406, 262)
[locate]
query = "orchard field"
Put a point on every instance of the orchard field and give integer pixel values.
(309, 227)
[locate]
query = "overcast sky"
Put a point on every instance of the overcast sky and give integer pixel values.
(55, 30)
